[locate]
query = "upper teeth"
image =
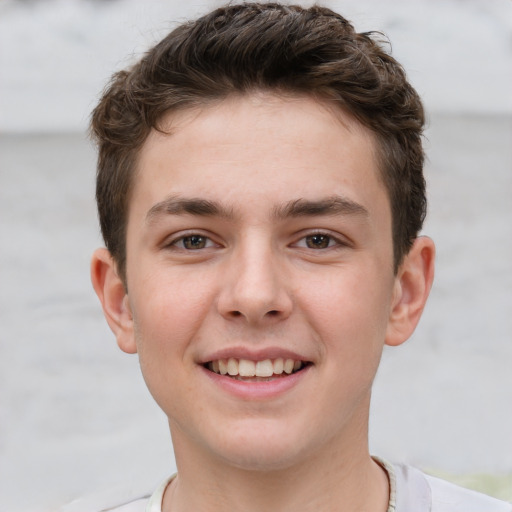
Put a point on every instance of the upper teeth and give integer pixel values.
(247, 368)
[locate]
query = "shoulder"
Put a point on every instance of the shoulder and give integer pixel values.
(447, 497)
(132, 506)
(123, 499)
(108, 502)
(414, 490)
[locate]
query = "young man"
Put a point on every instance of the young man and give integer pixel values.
(260, 193)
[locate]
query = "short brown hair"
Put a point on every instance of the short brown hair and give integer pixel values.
(263, 46)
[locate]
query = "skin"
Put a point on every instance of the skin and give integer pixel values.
(264, 277)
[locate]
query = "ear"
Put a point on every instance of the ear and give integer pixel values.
(412, 287)
(111, 291)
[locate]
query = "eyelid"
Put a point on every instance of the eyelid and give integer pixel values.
(340, 240)
(171, 242)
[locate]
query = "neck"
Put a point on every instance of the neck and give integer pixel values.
(340, 476)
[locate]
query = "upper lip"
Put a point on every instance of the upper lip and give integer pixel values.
(252, 354)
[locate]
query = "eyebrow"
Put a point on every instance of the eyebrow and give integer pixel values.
(333, 205)
(192, 206)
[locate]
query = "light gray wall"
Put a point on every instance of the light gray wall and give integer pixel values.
(56, 55)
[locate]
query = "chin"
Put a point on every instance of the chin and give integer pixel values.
(262, 460)
(264, 449)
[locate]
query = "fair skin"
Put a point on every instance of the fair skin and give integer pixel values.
(259, 231)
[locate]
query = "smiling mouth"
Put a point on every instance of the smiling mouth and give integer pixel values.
(247, 370)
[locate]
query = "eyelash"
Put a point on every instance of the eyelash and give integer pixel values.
(333, 241)
(180, 243)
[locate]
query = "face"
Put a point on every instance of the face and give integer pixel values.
(260, 278)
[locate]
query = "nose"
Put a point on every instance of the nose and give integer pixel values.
(254, 287)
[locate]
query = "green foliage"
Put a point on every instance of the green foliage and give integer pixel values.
(497, 485)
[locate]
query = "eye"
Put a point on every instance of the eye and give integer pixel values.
(193, 242)
(318, 241)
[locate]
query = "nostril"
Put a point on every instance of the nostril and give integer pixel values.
(271, 314)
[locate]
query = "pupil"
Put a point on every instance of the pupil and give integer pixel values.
(194, 242)
(318, 241)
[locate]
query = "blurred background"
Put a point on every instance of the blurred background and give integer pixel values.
(75, 417)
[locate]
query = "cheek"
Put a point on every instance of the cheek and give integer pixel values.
(349, 309)
(167, 315)
(166, 322)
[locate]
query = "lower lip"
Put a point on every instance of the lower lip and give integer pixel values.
(257, 390)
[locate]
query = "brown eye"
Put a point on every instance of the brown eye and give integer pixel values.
(318, 241)
(194, 242)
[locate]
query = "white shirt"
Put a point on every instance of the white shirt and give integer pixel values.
(415, 491)
(410, 491)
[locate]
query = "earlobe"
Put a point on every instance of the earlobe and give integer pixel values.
(412, 287)
(111, 291)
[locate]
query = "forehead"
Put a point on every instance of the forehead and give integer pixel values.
(252, 145)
